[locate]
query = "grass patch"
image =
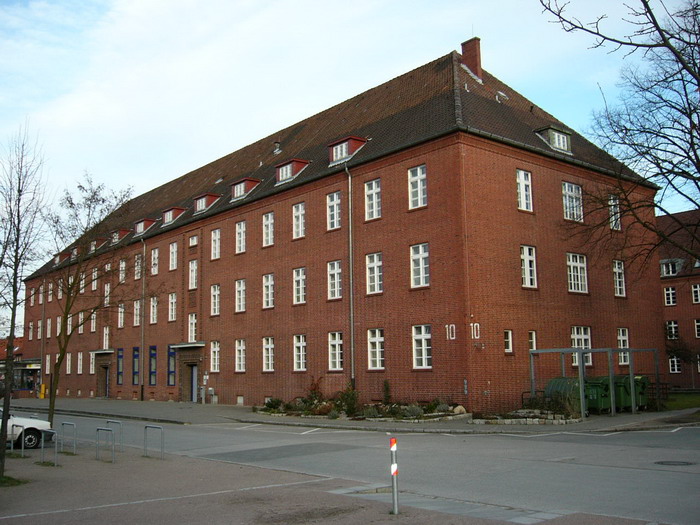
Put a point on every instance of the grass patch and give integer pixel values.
(15, 455)
(7, 481)
(679, 401)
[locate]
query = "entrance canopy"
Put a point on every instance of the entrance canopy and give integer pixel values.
(580, 352)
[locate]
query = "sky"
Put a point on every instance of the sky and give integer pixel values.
(138, 92)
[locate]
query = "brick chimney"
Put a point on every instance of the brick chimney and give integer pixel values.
(471, 55)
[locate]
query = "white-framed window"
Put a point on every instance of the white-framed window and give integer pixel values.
(215, 358)
(31, 297)
(39, 331)
(91, 366)
(695, 292)
(298, 220)
(138, 266)
(105, 337)
(420, 265)
(93, 283)
(508, 341)
(240, 295)
(155, 253)
(192, 327)
(375, 348)
(81, 322)
(577, 274)
(240, 355)
(69, 324)
(81, 282)
(669, 268)
(172, 306)
(50, 293)
(239, 190)
(524, 187)
(47, 366)
(172, 263)
(674, 365)
(560, 141)
(193, 240)
(341, 151)
(528, 266)
(299, 352)
(573, 201)
(48, 328)
(58, 325)
(93, 322)
(137, 312)
(299, 275)
(107, 294)
(623, 341)
(69, 363)
(215, 307)
(79, 365)
(422, 346)
(268, 226)
(269, 290)
(697, 328)
(333, 210)
(619, 278)
(373, 199)
(268, 354)
(168, 217)
(41, 291)
(532, 340)
(121, 314)
(154, 310)
(200, 204)
(284, 172)
(581, 338)
(614, 211)
(335, 350)
(192, 281)
(59, 289)
(670, 296)
(122, 270)
(30, 332)
(375, 279)
(240, 237)
(672, 330)
(417, 187)
(335, 284)
(215, 244)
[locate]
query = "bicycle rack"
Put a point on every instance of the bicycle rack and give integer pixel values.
(12, 442)
(97, 441)
(162, 439)
(55, 445)
(63, 434)
(121, 432)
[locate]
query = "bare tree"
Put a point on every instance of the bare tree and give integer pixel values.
(83, 272)
(654, 127)
(21, 203)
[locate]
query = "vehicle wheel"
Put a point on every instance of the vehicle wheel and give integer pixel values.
(32, 438)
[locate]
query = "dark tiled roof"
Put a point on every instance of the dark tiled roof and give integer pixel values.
(423, 104)
(684, 230)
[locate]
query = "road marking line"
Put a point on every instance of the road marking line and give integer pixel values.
(249, 426)
(156, 500)
(310, 431)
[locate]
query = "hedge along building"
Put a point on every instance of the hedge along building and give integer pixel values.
(420, 236)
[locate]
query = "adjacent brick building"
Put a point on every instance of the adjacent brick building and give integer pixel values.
(423, 235)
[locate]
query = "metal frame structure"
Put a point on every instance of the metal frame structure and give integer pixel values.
(582, 371)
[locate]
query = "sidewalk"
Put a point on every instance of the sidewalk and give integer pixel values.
(197, 414)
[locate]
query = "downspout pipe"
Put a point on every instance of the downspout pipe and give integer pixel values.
(351, 279)
(142, 314)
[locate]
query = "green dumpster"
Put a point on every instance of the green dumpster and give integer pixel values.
(564, 390)
(598, 394)
(641, 386)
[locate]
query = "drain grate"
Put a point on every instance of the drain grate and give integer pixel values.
(674, 463)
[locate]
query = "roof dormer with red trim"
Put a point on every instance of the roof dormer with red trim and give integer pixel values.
(118, 235)
(203, 202)
(140, 227)
(171, 214)
(289, 170)
(243, 187)
(343, 150)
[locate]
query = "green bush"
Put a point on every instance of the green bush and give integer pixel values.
(370, 411)
(346, 401)
(387, 392)
(442, 407)
(273, 404)
(413, 412)
(333, 414)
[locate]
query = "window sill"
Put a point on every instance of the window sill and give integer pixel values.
(422, 287)
(417, 208)
(423, 369)
(375, 370)
(374, 219)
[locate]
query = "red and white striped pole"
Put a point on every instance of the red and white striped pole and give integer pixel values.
(394, 476)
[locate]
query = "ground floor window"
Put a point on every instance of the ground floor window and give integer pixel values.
(135, 355)
(120, 366)
(152, 354)
(674, 365)
(171, 367)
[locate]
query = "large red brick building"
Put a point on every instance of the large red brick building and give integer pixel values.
(423, 235)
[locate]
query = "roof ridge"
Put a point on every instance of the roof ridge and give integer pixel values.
(456, 90)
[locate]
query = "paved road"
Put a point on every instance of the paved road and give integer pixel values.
(518, 478)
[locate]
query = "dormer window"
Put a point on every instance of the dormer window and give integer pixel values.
(74, 254)
(242, 188)
(143, 225)
(290, 169)
(93, 246)
(203, 202)
(344, 149)
(118, 235)
(556, 139)
(171, 214)
(57, 258)
(670, 267)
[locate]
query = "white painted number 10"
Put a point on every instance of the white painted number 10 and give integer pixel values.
(475, 329)
(450, 332)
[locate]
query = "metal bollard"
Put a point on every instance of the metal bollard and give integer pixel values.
(162, 440)
(55, 445)
(394, 477)
(97, 441)
(121, 433)
(12, 442)
(63, 435)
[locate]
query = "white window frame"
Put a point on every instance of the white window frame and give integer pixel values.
(335, 280)
(240, 295)
(215, 294)
(122, 270)
(172, 262)
(674, 365)
(91, 366)
(93, 284)
(335, 351)
(532, 340)
(105, 337)
(268, 290)
(121, 315)
(572, 197)
(299, 220)
(669, 268)
(172, 306)
(299, 277)
(153, 318)
(422, 347)
(240, 355)
(193, 240)
(138, 266)
(48, 327)
(670, 296)
(192, 275)
(93, 322)
(69, 363)
(191, 327)
(215, 244)
(420, 265)
(81, 322)
(695, 293)
(508, 341)
(375, 349)
(619, 284)
(374, 273)
(577, 272)
(333, 211)
(155, 255)
(614, 212)
(240, 237)
(168, 217)
(524, 189)
(215, 357)
(268, 354)
(50, 292)
(581, 338)
(137, 312)
(300, 353)
(417, 187)
(268, 228)
(341, 151)
(528, 266)
(79, 364)
(284, 173)
(107, 294)
(623, 341)
(672, 330)
(373, 199)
